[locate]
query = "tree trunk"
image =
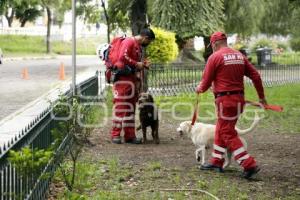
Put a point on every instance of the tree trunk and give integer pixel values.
(107, 20)
(207, 50)
(23, 22)
(138, 16)
(49, 21)
(10, 18)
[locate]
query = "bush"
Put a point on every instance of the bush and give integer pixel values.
(282, 45)
(264, 42)
(164, 48)
(295, 43)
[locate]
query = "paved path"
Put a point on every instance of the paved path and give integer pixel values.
(43, 76)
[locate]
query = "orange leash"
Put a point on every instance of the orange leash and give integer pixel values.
(195, 115)
(266, 107)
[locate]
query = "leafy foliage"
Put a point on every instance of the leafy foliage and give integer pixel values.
(243, 17)
(295, 43)
(118, 14)
(72, 111)
(264, 42)
(26, 161)
(189, 18)
(281, 17)
(164, 48)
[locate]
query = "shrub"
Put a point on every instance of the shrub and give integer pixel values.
(295, 43)
(282, 45)
(164, 48)
(264, 42)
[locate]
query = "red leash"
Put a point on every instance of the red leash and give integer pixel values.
(195, 115)
(275, 108)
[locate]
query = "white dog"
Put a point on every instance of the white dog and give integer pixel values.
(203, 135)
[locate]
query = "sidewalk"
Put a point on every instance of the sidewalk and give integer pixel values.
(42, 57)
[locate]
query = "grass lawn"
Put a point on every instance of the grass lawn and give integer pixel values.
(286, 96)
(169, 170)
(17, 45)
(287, 58)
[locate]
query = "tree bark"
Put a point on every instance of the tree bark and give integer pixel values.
(23, 22)
(49, 21)
(207, 50)
(10, 18)
(138, 16)
(107, 20)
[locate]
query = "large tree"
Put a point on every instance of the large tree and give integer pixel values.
(128, 13)
(138, 18)
(27, 10)
(189, 18)
(282, 17)
(243, 17)
(7, 8)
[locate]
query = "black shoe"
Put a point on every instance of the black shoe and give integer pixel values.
(211, 167)
(134, 141)
(116, 140)
(247, 174)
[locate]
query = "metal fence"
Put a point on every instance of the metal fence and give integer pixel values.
(36, 135)
(173, 79)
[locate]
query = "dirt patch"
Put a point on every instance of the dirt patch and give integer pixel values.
(275, 153)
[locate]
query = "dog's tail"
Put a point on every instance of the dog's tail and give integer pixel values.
(251, 128)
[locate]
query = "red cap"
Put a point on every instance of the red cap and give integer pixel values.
(217, 36)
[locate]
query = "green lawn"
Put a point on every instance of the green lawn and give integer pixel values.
(17, 45)
(101, 176)
(287, 58)
(286, 96)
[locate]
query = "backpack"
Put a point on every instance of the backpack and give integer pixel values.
(110, 54)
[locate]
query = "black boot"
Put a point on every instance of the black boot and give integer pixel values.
(116, 140)
(134, 141)
(247, 174)
(211, 167)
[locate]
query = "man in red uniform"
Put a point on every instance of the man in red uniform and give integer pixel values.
(125, 89)
(225, 69)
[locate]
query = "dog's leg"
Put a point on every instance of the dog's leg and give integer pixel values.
(203, 155)
(144, 134)
(154, 129)
(139, 127)
(197, 154)
(227, 157)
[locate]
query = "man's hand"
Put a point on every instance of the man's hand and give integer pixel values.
(147, 63)
(263, 101)
(198, 89)
(139, 65)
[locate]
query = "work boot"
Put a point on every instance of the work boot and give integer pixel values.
(116, 140)
(211, 167)
(247, 174)
(134, 141)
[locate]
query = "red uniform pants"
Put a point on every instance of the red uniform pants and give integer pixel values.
(229, 108)
(125, 98)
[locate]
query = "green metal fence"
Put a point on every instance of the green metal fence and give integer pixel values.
(184, 78)
(37, 135)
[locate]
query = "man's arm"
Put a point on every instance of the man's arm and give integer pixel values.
(124, 58)
(253, 74)
(208, 76)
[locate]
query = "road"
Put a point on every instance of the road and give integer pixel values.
(16, 92)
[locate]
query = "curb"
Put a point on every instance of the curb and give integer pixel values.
(42, 58)
(28, 58)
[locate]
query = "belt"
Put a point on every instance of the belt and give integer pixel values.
(220, 94)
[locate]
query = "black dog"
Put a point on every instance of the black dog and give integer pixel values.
(148, 114)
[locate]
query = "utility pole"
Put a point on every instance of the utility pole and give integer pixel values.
(74, 47)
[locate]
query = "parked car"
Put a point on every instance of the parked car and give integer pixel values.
(1, 56)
